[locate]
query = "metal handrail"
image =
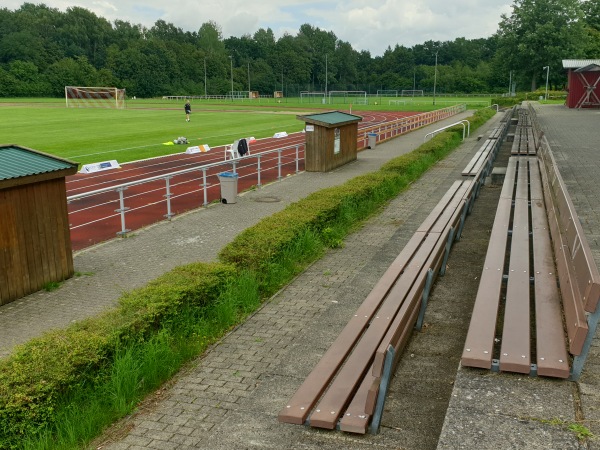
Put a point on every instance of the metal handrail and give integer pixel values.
(391, 129)
(460, 122)
(124, 186)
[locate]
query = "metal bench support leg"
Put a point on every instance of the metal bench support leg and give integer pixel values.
(579, 360)
(447, 251)
(424, 299)
(383, 387)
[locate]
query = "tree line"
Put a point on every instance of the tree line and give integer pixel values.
(43, 49)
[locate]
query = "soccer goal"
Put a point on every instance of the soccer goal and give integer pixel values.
(387, 92)
(357, 97)
(312, 97)
(94, 97)
(412, 93)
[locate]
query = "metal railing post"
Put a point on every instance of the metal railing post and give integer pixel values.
(279, 164)
(204, 187)
(168, 197)
(122, 210)
(258, 183)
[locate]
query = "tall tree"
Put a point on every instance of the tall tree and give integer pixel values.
(541, 33)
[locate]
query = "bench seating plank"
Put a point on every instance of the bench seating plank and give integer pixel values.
(572, 299)
(515, 347)
(298, 408)
(361, 408)
(436, 221)
(397, 334)
(581, 255)
(357, 415)
(335, 399)
(479, 159)
(575, 319)
(348, 361)
(552, 357)
(359, 412)
(479, 343)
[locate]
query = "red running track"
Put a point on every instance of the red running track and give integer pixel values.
(96, 218)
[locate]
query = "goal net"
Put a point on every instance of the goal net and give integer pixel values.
(412, 93)
(357, 97)
(312, 97)
(387, 93)
(94, 97)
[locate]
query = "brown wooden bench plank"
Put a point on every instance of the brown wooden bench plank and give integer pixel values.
(336, 398)
(515, 355)
(479, 158)
(399, 332)
(362, 405)
(510, 178)
(299, 406)
(452, 194)
(552, 357)
(579, 252)
(357, 415)
(573, 307)
(479, 343)
(575, 318)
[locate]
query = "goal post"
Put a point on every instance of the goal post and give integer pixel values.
(94, 97)
(312, 97)
(387, 92)
(358, 97)
(412, 93)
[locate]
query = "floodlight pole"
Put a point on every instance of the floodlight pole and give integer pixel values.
(325, 77)
(435, 76)
(547, 72)
(205, 92)
(231, 63)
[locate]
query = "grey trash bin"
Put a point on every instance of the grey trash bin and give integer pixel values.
(229, 186)
(372, 139)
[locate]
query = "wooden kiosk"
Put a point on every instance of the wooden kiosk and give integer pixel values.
(35, 241)
(330, 140)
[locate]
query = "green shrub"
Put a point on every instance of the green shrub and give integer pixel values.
(44, 370)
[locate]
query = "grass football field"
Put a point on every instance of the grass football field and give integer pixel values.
(88, 135)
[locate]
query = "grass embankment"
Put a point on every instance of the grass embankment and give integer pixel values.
(61, 390)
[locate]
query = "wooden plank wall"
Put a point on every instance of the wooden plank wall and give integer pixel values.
(35, 242)
(319, 148)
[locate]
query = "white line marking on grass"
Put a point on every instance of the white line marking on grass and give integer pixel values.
(158, 145)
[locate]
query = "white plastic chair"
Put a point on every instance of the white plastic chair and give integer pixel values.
(231, 150)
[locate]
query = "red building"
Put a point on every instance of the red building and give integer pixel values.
(583, 83)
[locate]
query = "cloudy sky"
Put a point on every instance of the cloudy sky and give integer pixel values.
(367, 24)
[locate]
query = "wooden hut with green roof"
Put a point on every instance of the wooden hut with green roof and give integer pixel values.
(331, 140)
(35, 242)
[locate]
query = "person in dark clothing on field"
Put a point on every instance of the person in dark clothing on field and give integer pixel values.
(188, 110)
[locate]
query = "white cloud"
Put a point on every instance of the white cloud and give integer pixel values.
(373, 26)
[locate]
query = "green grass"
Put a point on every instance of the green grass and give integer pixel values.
(90, 135)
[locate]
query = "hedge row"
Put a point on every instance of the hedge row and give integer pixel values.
(41, 372)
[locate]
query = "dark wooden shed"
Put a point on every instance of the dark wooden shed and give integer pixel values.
(35, 242)
(331, 140)
(583, 83)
